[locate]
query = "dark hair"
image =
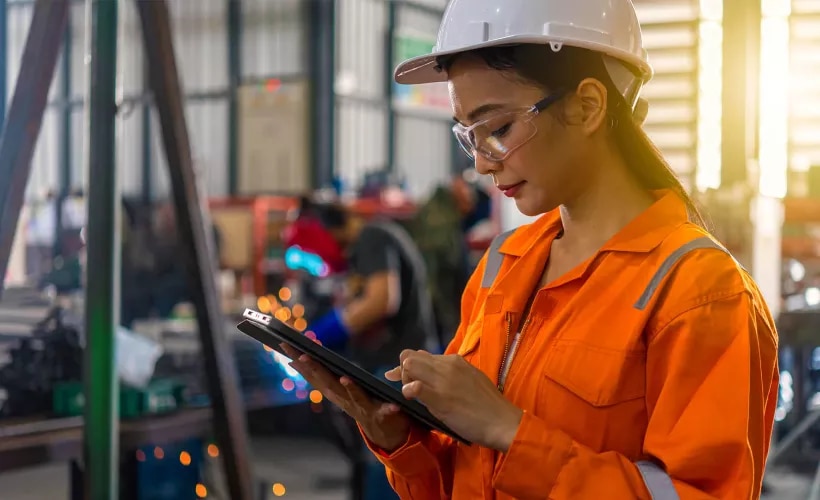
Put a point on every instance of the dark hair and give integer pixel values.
(332, 215)
(565, 70)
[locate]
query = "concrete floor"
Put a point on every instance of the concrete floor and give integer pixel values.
(305, 467)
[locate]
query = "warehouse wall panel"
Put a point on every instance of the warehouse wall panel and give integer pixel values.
(423, 154)
(424, 138)
(131, 75)
(79, 45)
(360, 47)
(200, 43)
(129, 152)
(274, 44)
(208, 135)
(804, 94)
(670, 33)
(130, 54)
(360, 138)
(361, 110)
(79, 178)
(273, 40)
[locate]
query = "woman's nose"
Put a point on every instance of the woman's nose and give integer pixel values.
(484, 166)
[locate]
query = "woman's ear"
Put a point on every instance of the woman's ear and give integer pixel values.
(592, 95)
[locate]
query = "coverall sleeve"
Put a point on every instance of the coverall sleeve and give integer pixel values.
(708, 427)
(423, 466)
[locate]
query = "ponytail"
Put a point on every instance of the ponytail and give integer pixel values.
(645, 161)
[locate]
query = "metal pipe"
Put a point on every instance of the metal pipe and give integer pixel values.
(197, 248)
(4, 62)
(389, 55)
(321, 33)
(234, 81)
(101, 443)
(25, 116)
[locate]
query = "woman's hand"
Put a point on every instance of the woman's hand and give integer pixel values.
(383, 424)
(460, 395)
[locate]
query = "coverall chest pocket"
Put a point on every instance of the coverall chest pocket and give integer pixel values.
(596, 395)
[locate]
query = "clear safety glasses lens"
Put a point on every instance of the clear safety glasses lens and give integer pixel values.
(497, 137)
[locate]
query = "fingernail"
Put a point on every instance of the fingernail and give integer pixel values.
(303, 358)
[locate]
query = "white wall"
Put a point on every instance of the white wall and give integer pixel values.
(273, 45)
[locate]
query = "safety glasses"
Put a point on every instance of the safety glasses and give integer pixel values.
(495, 138)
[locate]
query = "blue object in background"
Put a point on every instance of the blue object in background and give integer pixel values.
(170, 471)
(330, 330)
(300, 260)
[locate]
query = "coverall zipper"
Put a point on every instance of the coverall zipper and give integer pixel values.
(504, 360)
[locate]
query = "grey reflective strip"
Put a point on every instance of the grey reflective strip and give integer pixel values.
(657, 481)
(494, 259)
(669, 264)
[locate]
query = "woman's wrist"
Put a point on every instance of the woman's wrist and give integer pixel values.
(502, 434)
(383, 442)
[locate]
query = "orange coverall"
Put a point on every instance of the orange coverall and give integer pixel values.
(649, 371)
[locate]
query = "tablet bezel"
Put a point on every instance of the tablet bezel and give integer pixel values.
(271, 332)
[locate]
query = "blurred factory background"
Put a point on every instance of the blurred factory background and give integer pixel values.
(288, 97)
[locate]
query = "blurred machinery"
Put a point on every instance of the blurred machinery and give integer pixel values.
(797, 440)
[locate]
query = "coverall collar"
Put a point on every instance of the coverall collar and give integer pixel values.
(642, 234)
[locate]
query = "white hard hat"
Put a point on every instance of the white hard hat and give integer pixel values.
(609, 27)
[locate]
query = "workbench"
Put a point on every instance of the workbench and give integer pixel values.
(33, 442)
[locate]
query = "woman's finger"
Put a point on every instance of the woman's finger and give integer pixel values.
(357, 395)
(393, 375)
(387, 409)
(289, 351)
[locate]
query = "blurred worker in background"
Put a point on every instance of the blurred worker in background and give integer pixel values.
(440, 229)
(388, 311)
(610, 350)
(309, 233)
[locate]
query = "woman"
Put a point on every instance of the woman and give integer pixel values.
(609, 350)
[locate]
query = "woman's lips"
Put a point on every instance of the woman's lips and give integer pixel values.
(510, 190)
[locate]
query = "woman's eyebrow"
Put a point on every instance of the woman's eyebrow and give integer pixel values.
(481, 110)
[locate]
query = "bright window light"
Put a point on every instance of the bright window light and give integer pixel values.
(774, 101)
(710, 81)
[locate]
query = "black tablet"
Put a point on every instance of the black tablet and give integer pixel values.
(272, 332)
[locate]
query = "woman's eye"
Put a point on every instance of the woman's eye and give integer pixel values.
(502, 131)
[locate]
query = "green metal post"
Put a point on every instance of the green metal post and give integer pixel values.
(389, 53)
(101, 445)
(234, 80)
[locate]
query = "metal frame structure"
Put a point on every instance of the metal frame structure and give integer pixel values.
(199, 253)
(25, 116)
(17, 143)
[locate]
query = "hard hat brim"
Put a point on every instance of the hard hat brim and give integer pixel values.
(424, 69)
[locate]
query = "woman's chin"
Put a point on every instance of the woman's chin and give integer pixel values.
(530, 207)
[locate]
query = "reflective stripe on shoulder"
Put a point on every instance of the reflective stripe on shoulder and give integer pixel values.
(669, 264)
(657, 481)
(494, 259)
